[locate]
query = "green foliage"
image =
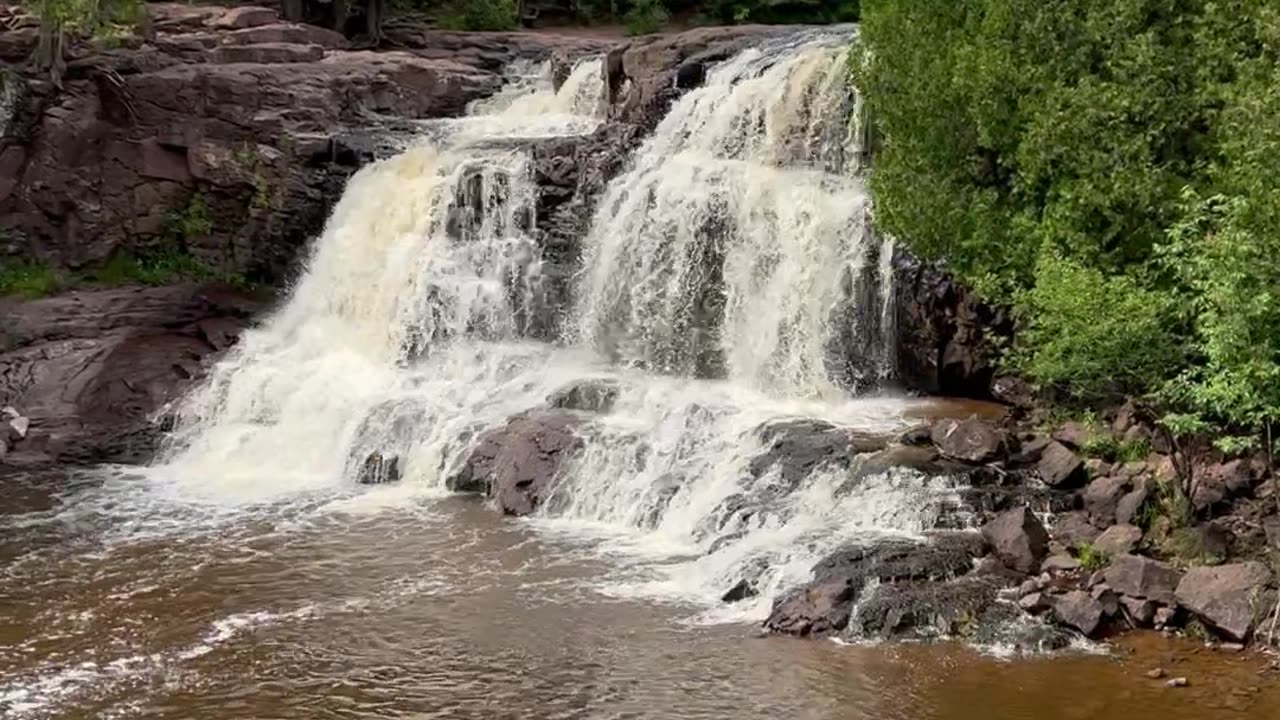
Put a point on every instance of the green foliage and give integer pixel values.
(1092, 336)
(481, 15)
(1091, 558)
(1108, 168)
(646, 17)
(784, 11)
(105, 21)
(28, 279)
(189, 222)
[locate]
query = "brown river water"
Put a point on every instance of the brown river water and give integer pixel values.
(120, 604)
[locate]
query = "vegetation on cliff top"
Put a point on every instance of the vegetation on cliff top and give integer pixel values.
(1109, 169)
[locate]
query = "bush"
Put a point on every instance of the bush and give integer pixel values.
(646, 17)
(784, 11)
(28, 279)
(1090, 336)
(481, 15)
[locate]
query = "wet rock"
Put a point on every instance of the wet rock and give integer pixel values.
(823, 605)
(1077, 609)
(595, 396)
(1073, 529)
(1230, 598)
(1142, 577)
(1072, 434)
(923, 459)
(1118, 540)
(1029, 451)
(1107, 598)
(1102, 496)
(1018, 539)
(1214, 485)
(971, 440)
(797, 448)
(379, 469)
(918, 436)
(518, 463)
(1140, 612)
(925, 610)
(1059, 467)
(991, 565)
(1034, 603)
(741, 591)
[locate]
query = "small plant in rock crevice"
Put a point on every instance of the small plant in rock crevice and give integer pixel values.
(1091, 558)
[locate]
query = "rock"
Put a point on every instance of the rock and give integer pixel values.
(93, 368)
(1230, 598)
(18, 428)
(379, 469)
(1271, 529)
(823, 606)
(1018, 539)
(1078, 610)
(1034, 603)
(1073, 529)
(1059, 467)
(1102, 496)
(1013, 391)
(1141, 577)
(1060, 562)
(595, 396)
(4, 448)
(246, 16)
(268, 53)
(1134, 468)
(741, 591)
(964, 608)
(797, 448)
(518, 463)
(1156, 673)
(1140, 611)
(9, 413)
(1030, 451)
(971, 440)
(918, 436)
(1164, 617)
(1096, 468)
(1118, 540)
(1128, 506)
(1176, 682)
(287, 33)
(1213, 485)
(1136, 434)
(1072, 434)
(1107, 598)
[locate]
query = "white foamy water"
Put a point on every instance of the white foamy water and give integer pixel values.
(730, 282)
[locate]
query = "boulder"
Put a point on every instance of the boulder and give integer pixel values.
(1059, 467)
(1073, 529)
(823, 606)
(1232, 599)
(1214, 485)
(1106, 597)
(1018, 539)
(595, 396)
(1013, 391)
(1142, 577)
(1140, 611)
(797, 448)
(18, 428)
(379, 469)
(1072, 434)
(1079, 610)
(1118, 540)
(290, 33)
(743, 590)
(1130, 504)
(517, 464)
(246, 16)
(1061, 562)
(1102, 496)
(971, 440)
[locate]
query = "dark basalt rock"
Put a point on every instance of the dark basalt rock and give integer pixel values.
(797, 448)
(517, 464)
(739, 592)
(379, 469)
(1019, 540)
(595, 396)
(823, 605)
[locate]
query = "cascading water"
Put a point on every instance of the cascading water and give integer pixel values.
(728, 279)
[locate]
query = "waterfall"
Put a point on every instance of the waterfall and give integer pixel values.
(730, 290)
(738, 246)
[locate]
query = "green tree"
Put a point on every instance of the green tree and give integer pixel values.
(61, 19)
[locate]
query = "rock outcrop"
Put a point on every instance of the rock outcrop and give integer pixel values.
(91, 369)
(517, 465)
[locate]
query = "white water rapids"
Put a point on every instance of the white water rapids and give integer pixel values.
(728, 277)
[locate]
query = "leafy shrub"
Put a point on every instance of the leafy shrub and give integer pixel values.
(646, 17)
(481, 15)
(1091, 558)
(784, 11)
(1091, 336)
(28, 278)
